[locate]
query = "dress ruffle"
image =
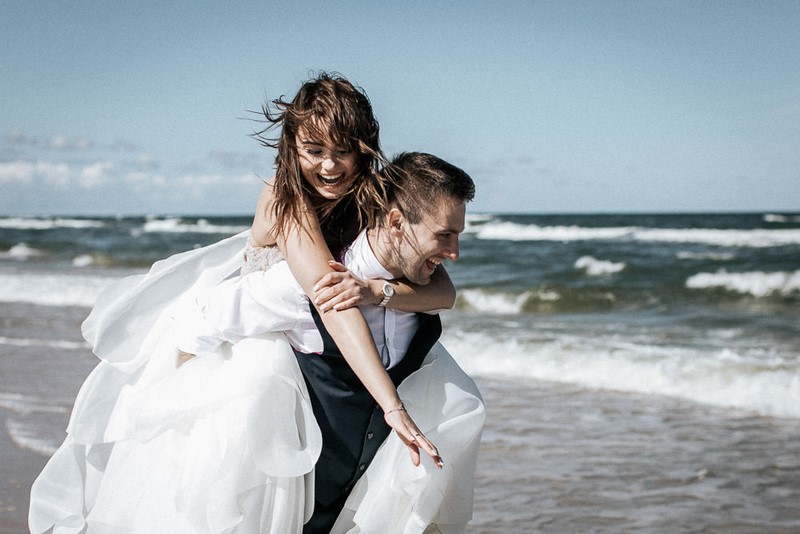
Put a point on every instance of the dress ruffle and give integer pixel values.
(228, 441)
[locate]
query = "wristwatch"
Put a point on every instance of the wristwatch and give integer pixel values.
(388, 293)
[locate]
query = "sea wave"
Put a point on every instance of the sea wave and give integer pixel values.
(51, 289)
(777, 218)
(26, 436)
(21, 252)
(757, 283)
(715, 256)
(757, 237)
(595, 267)
(768, 386)
(493, 302)
(542, 299)
(27, 404)
(179, 226)
(48, 343)
(30, 223)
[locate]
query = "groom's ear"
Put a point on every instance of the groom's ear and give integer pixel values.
(395, 222)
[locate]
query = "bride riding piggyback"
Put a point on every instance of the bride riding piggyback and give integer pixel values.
(262, 401)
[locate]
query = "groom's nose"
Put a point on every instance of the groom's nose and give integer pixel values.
(451, 250)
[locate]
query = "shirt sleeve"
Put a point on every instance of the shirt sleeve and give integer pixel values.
(256, 303)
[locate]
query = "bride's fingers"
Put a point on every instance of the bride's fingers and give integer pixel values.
(413, 451)
(431, 450)
(421, 442)
(413, 437)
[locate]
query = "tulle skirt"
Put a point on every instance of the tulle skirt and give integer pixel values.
(227, 442)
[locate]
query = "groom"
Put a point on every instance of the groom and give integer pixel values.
(426, 214)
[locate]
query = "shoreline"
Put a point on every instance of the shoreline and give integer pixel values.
(561, 459)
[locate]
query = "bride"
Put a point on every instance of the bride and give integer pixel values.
(229, 443)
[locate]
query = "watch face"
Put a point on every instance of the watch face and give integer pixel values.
(388, 290)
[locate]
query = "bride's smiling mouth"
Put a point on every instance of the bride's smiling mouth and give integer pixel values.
(331, 180)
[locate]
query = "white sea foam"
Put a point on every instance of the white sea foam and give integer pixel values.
(24, 436)
(83, 260)
(475, 221)
(30, 223)
(720, 237)
(768, 386)
(595, 267)
(26, 404)
(758, 284)
(776, 218)
(21, 252)
(479, 218)
(51, 289)
(489, 302)
(715, 256)
(503, 303)
(49, 343)
(177, 225)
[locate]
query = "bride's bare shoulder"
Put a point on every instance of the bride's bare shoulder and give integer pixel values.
(262, 231)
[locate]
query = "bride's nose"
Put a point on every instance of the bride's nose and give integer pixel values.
(328, 164)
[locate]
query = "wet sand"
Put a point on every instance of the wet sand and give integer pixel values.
(554, 458)
(561, 459)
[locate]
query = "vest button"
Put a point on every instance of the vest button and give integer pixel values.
(370, 435)
(362, 467)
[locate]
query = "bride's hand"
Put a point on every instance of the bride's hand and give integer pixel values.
(412, 436)
(342, 289)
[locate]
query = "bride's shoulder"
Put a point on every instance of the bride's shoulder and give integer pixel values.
(262, 230)
(261, 251)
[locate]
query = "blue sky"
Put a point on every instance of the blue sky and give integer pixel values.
(552, 107)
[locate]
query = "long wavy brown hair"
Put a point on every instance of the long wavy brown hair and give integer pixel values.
(326, 106)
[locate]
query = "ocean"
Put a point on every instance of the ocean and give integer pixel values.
(641, 372)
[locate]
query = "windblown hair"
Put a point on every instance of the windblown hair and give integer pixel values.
(327, 106)
(416, 181)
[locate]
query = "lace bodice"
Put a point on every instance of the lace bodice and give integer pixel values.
(260, 258)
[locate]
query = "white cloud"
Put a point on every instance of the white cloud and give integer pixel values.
(95, 174)
(16, 172)
(58, 174)
(210, 180)
(19, 138)
(63, 142)
(57, 142)
(27, 172)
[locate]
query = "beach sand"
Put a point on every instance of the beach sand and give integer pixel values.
(554, 458)
(562, 459)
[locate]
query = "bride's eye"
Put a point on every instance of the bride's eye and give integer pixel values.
(312, 151)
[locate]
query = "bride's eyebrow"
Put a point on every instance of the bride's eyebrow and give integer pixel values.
(311, 142)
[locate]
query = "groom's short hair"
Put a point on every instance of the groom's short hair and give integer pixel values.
(417, 181)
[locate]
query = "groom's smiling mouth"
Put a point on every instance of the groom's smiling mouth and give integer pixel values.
(433, 264)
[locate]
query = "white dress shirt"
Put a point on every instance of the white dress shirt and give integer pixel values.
(272, 301)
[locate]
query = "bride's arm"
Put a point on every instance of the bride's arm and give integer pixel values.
(308, 258)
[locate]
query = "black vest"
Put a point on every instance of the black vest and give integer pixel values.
(351, 422)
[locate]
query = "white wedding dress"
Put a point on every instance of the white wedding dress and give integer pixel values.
(227, 442)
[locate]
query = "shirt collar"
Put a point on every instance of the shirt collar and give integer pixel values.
(361, 259)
